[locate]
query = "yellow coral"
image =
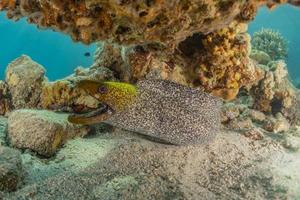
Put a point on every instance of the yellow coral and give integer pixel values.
(223, 64)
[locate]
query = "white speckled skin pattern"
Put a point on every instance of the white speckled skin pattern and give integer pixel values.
(171, 113)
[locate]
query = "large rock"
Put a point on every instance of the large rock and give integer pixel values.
(41, 131)
(11, 172)
(24, 78)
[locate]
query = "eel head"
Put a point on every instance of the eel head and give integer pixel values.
(113, 97)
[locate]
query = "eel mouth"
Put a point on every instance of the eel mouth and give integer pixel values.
(97, 115)
(93, 117)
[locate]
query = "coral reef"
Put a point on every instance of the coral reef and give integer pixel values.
(271, 42)
(27, 87)
(41, 131)
(277, 125)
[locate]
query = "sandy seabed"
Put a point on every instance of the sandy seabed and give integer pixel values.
(120, 165)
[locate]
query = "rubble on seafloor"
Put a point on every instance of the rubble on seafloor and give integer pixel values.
(203, 45)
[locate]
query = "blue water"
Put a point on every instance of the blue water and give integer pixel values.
(285, 19)
(55, 51)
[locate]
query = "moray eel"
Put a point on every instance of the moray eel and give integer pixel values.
(159, 109)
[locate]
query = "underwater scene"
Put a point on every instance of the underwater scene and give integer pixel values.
(161, 99)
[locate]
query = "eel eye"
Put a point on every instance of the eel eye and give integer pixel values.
(102, 90)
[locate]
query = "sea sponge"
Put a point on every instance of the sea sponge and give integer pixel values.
(270, 42)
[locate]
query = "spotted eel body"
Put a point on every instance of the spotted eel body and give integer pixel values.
(171, 113)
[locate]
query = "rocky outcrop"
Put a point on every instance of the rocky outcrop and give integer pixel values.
(25, 78)
(11, 172)
(41, 131)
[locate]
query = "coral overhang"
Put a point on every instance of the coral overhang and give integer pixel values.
(134, 22)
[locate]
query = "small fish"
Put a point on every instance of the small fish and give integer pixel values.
(87, 54)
